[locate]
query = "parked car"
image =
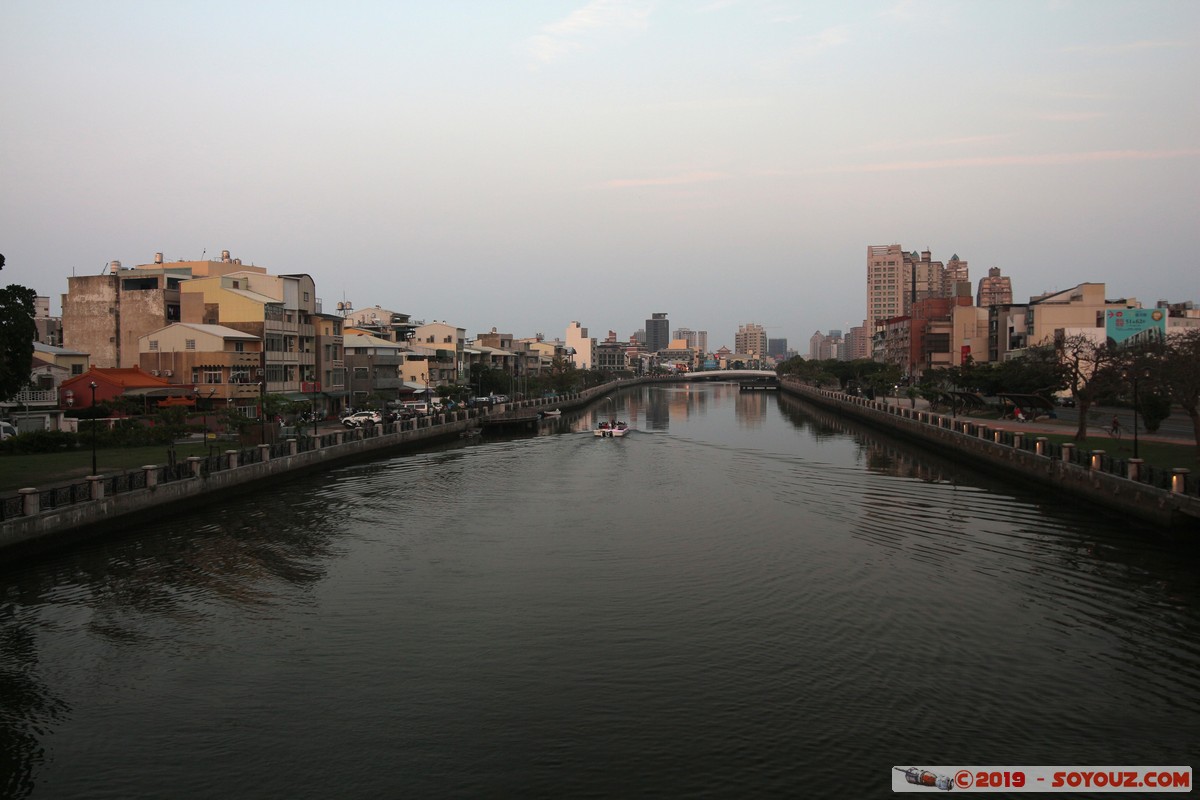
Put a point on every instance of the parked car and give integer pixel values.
(7, 431)
(360, 418)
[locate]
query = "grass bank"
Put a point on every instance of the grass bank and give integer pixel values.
(43, 470)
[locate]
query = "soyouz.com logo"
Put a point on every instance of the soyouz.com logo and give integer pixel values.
(1042, 779)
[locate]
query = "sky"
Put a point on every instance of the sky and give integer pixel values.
(527, 164)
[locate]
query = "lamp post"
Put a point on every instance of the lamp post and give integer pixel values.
(92, 386)
(204, 417)
(262, 410)
(1132, 375)
(313, 382)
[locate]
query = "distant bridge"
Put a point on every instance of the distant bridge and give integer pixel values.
(723, 375)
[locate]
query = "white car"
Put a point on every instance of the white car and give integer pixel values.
(359, 418)
(7, 431)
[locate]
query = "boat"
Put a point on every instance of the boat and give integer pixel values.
(555, 413)
(470, 432)
(611, 429)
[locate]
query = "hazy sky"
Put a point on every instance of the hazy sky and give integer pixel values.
(520, 165)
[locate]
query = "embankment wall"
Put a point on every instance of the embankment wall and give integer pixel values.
(1171, 510)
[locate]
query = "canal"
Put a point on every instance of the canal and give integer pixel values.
(744, 597)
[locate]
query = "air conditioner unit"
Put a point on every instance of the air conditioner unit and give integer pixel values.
(168, 373)
(154, 372)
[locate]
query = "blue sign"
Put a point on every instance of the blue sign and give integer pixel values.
(1129, 325)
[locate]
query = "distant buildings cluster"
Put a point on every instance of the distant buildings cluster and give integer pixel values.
(921, 314)
(222, 334)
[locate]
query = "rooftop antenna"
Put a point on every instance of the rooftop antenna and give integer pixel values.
(203, 254)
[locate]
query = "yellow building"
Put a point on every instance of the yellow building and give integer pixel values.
(1080, 307)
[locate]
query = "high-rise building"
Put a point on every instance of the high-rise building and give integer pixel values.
(994, 290)
(751, 339)
(658, 332)
(696, 340)
(955, 272)
(777, 348)
(895, 279)
(858, 343)
(814, 345)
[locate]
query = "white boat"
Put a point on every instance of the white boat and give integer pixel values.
(555, 413)
(611, 429)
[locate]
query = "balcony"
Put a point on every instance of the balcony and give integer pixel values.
(33, 397)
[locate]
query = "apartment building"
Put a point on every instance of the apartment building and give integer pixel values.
(994, 290)
(751, 339)
(1080, 307)
(106, 315)
(896, 278)
(221, 365)
(580, 346)
(612, 355)
(444, 344)
(657, 332)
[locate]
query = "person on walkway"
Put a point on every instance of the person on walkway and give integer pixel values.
(1115, 428)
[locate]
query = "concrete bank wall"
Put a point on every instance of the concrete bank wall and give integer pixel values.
(1176, 511)
(53, 527)
(48, 527)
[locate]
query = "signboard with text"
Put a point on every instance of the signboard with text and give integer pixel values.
(1125, 326)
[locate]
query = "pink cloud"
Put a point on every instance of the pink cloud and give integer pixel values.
(1049, 159)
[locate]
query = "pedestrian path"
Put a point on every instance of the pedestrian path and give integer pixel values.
(1054, 425)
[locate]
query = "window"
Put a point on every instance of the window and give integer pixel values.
(77, 369)
(211, 375)
(189, 344)
(239, 347)
(153, 345)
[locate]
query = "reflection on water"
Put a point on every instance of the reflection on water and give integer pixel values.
(28, 711)
(741, 592)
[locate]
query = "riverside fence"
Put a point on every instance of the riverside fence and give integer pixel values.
(1163, 496)
(36, 516)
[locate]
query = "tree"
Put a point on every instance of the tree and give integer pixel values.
(1181, 367)
(17, 335)
(1038, 371)
(489, 380)
(1090, 369)
(563, 376)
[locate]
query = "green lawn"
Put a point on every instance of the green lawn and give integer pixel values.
(1156, 454)
(43, 470)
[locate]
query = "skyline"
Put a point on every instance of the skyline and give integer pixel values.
(525, 167)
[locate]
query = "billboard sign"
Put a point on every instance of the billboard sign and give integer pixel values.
(1125, 326)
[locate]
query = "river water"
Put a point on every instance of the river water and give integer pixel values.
(744, 597)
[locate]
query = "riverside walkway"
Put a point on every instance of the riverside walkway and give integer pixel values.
(1167, 498)
(39, 517)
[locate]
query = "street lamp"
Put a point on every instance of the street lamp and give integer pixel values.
(1132, 375)
(92, 386)
(262, 410)
(313, 382)
(204, 416)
